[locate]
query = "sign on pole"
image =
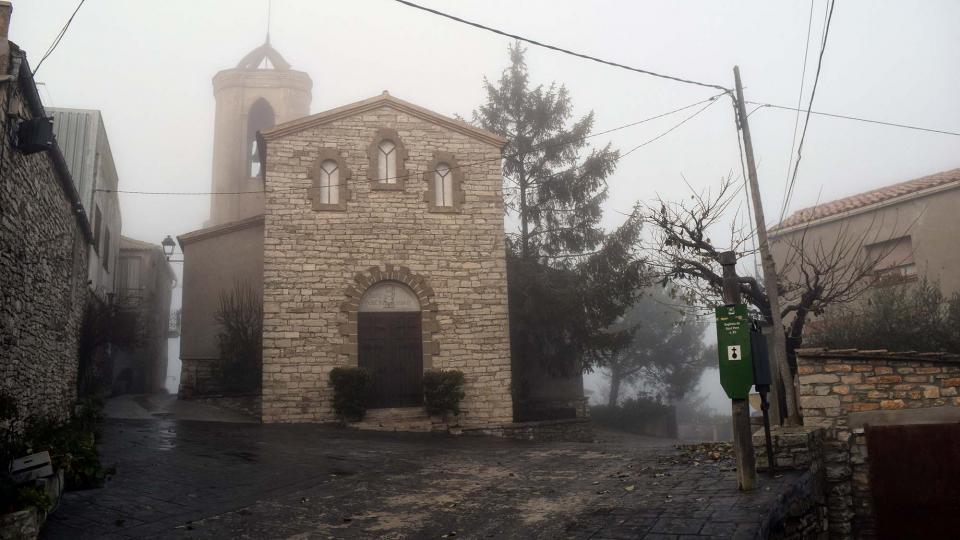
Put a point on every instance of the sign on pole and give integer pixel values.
(733, 348)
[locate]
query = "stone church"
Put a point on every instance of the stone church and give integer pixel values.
(373, 231)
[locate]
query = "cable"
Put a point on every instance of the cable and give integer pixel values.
(796, 120)
(559, 49)
(858, 119)
(806, 122)
(682, 122)
(56, 41)
(542, 146)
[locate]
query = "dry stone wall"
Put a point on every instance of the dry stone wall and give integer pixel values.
(318, 263)
(838, 389)
(43, 270)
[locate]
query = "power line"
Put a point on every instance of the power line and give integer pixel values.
(858, 119)
(806, 122)
(796, 120)
(56, 40)
(559, 49)
(542, 146)
(682, 122)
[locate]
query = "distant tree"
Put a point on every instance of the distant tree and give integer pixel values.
(894, 316)
(240, 314)
(569, 280)
(666, 353)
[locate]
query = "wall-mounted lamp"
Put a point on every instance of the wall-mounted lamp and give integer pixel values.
(169, 245)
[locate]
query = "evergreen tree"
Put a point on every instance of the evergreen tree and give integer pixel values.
(569, 279)
(666, 353)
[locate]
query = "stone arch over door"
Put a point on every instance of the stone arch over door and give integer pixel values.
(372, 276)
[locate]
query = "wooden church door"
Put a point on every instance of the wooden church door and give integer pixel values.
(390, 345)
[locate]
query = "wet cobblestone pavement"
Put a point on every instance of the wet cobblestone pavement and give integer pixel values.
(188, 479)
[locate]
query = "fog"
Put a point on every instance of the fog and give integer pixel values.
(148, 66)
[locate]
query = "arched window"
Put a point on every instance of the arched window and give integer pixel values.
(386, 157)
(260, 117)
(444, 179)
(329, 182)
(443, 185)
(387, 162)
(330, 179)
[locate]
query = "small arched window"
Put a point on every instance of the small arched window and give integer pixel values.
(444, 179)
(386, 158)
(387, 162)
(443, 185)
(260, 117)
(329, 182)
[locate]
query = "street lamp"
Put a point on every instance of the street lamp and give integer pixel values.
(168, 246)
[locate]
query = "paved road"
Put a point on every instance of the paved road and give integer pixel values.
(191, 479)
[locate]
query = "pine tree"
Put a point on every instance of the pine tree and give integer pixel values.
(569, 279)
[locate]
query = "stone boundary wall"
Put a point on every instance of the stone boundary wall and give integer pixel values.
(841, 390)
(571, 430)
(44, 239)
(198, 378)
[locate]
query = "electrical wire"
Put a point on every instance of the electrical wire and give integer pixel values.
(806, 122)
(858, 119)
(59, 37)
(796, 120)
(682, 122)
(559, 49)
(542, 146)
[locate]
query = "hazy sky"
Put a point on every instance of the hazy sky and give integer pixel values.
(148, 67)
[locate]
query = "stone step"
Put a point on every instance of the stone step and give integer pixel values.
(396, 419)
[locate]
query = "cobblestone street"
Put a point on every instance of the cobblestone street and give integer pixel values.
(190, 479)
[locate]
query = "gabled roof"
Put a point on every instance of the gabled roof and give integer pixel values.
(130, 243)
(870, 198)
(383, 100)
(254, 58)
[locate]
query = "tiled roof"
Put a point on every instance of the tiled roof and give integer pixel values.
(868, 198)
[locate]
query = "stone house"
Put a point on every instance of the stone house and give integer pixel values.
(45, 237)
(373, 231)
(144, 282)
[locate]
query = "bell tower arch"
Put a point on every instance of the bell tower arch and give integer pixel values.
(261, 92)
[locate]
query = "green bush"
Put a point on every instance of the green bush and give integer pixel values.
(642, 415)
(443, 391)
(350, 387)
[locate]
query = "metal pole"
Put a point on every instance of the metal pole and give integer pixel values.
(740, 410)
(779, 368)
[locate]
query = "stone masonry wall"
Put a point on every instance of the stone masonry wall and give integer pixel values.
(43, 270)
(834, 385)
(319, 262)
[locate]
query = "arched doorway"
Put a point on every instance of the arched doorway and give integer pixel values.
(390, 345)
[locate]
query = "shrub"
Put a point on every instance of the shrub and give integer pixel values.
(240, 315)
(642, 415)
(350, 387)
(443, 391)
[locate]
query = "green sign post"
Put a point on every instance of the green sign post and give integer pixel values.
(733, 348)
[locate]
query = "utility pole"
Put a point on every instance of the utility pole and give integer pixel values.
(740, 410)
(779, 368)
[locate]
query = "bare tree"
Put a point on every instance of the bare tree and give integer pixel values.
(815, 274)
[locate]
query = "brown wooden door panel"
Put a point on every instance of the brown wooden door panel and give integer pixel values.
(390, 348)
(915, 480)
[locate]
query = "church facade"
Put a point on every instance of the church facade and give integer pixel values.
(375, 238)
(383, 248)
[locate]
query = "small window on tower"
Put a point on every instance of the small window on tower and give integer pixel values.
(261, 117)
(387, 168)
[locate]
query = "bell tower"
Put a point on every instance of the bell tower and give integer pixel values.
(261, 92)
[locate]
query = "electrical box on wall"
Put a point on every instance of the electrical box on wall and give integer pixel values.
(35, 135)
